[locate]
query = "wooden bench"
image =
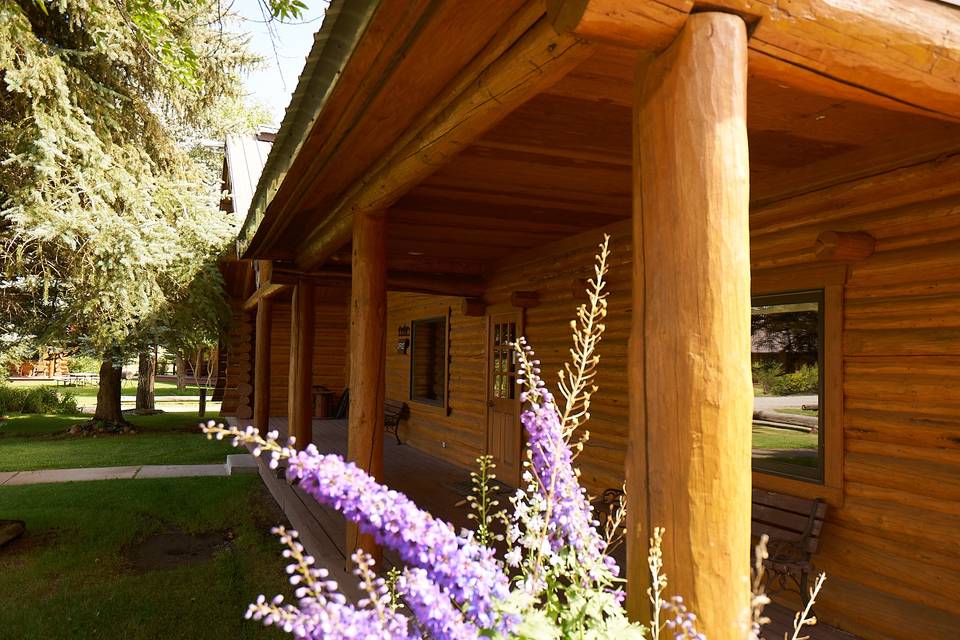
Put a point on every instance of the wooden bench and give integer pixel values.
(793, 526)
(393, 412)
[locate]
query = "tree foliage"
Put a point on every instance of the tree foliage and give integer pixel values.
(109, 227)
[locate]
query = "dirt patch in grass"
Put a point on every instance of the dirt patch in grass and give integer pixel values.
(27, 543)
(177, 548)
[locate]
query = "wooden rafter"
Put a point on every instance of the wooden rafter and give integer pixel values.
(904, 51)
(485, 92)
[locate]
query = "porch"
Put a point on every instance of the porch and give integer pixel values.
(459, 196)
(439, 487)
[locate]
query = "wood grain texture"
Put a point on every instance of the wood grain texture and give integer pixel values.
(261, 365)
(300, 398)
(368, 316)
(481, 97)
(905, 50)
(694, 206)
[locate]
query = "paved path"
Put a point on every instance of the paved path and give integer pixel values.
(235, 464)
(761, 403)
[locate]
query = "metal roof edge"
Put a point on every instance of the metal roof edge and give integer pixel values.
(334, 43)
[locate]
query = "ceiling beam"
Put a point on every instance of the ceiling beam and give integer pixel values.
(481, 96)
(406, 281)
(905, 50)
(269, 290)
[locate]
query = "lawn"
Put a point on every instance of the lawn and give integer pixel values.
(797, 412)
(773, 438)
(32, 441)
(128, 388)
(81, 570)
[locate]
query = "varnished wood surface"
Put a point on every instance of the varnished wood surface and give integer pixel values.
(368, 334)
(693, 209)
(905, 50)
(300, 380)
(261, 364)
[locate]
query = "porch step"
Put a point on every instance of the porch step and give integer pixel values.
(241, 463)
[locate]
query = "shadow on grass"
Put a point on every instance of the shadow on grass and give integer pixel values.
(71, 575)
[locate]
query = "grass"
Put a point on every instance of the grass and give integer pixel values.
(70, 575)
(128, 388)
(773, 438)
(31, 441)
(797, 412)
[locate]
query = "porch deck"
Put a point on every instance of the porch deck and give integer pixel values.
(435, 485)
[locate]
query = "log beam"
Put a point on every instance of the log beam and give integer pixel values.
(368, 348)
(905, 50)
(525, 299)
(844, 246)
(480, 97)
(261, 365)
(300, 385)
(264, 292)
(407, 281)
(691, 329)
(473, 307)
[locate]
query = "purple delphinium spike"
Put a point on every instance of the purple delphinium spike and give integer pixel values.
(571, 514)
(467, 571)
(432, 607)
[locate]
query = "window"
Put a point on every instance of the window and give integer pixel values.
(786, 344)
(428, 362)
(504, 360)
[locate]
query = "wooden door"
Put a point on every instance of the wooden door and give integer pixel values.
(504, 433)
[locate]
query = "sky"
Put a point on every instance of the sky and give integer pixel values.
(283, 55)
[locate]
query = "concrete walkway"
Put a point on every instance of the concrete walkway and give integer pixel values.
(235, 464)
(762, 403)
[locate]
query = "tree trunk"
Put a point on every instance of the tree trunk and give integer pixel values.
(145, 381)
(108, 397)
(181, 373)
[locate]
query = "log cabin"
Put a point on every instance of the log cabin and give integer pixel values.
(770, 175)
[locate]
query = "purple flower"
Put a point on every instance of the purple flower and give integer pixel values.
(331, 619)
(571, 514)
(460, 568)
(432, 607)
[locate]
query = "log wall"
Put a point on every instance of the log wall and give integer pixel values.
(329, 348)
(238, 383)
(457, 432)
(890, 548)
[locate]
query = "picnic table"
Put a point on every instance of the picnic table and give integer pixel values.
(77, 379)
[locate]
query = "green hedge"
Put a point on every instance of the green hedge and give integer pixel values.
(14, 399)
(774, 381)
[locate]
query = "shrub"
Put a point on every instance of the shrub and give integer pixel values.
(84, 364)
(14, 399)
(766, 373)
(774, 381)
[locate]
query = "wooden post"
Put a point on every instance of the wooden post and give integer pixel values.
(261, 366)
(368, 336)
(691, 345)
(300, 386)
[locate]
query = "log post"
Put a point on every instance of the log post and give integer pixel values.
(692, 261)
(261, 366)
(368, 337)
(300, 386)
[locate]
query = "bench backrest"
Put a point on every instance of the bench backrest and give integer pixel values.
(393, 409)
(788, 519)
